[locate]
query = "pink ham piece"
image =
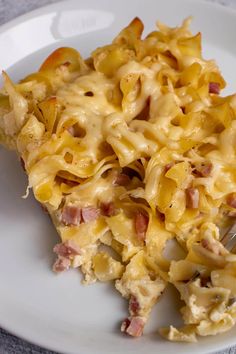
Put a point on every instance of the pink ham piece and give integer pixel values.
(204, 170)
(71, 215)
(121, 179)
(141, 224)
(90, 214)
(231, 214)
(64, 251)
(168, 167)
(214, 87)
(71, 130)
(231, 200)
(67, 249)
(133, 326)
(134, 306)
(61, 264)
(192, 198)
(108, 209)
(211, 246)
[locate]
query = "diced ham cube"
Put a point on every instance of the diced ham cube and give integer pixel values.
(134, 306)
(71, 130)
(71, 215)
(214, 87)
(74, 215)
(67, 249)
(192, 198)
(205, 243)
(64, 251)
(61, 264)
(108, 209)
(125, 324)
(204, 170)
(231, 200)
(141, 224)
(231, 214)
(121, 179)
(133, 326)
(168, 167)
(89, 214)
(213, 246)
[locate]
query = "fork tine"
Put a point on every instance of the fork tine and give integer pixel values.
(229, 238)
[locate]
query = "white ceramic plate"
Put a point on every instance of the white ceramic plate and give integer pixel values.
(57, 312)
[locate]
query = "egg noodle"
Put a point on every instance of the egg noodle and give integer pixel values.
(127, 150)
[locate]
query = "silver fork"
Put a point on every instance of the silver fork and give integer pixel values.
(229, 239)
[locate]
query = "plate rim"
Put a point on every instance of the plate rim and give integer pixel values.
(228, 10)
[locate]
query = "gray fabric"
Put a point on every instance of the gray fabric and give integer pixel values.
(10, 9)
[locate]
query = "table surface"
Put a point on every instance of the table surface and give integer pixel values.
(10, 9)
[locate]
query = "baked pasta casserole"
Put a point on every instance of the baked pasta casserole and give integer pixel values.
(129, 150)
